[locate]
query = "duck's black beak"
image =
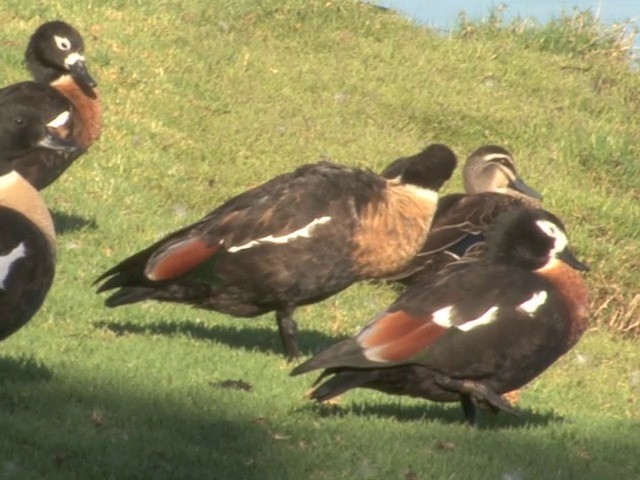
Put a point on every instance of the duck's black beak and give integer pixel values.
(519, 185)
(570, 259)
(80, 74)
(54, 142)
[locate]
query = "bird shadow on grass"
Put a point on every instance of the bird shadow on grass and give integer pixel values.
(244, 336)
(450, 413)
(70, 222)
(23, 369)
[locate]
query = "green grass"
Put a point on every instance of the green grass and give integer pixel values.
(205, 100)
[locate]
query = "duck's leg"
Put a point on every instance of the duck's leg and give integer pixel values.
(474, 393)
(288, 331)
(469, 409)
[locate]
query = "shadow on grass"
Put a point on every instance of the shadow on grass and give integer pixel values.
(450, 413)
(87, 426)
(244, 335)
(77, 430)
(69, 222)
(24, 369)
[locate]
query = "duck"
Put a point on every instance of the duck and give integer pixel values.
(295, 240)
(55, 55)
(474, 331)
(55, 58)
(492, 187)
(27, 237)
(41, 165)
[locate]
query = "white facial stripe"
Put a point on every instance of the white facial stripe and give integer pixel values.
(6, 261)
(486, 318)
(552, 230)
(73, 58)
(304, 232)
(495, 156)
(62, 43)
(424, 193)
(536, 301)
(442, 317)
(60, 120)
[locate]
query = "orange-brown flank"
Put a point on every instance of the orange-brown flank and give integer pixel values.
(573, 290)
(391, 232)
(88, 110)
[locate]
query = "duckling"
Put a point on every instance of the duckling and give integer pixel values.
(458, 230)
(27, 238)
(294, 240)
(475, 330)
(55, 57)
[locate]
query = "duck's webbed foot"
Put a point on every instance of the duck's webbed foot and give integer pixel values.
(475, 395)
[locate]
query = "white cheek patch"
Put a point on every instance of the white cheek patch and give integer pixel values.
(60, 120)
(62, 43)
(73, 58)
(442, 317)
(534, 303)
(6, 261)
(486, 318)
(553, 231)
(304, 232)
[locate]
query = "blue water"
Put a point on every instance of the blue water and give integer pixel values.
(443, 14)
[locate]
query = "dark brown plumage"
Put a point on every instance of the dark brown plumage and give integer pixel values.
(474, 330)
(55, 57)
(297, 239)
(27, 237)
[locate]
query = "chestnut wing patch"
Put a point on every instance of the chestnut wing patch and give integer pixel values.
(179, 258)
(398, 336)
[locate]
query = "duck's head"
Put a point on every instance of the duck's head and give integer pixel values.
(428, 169)
(530, 238)
(491, 168)
(26, 127)
(56, 49)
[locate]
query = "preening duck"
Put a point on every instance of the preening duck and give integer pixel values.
(294, 240)
(474, 331)
(493, 187)
(27, 237)
(41, 165)
(55, 57)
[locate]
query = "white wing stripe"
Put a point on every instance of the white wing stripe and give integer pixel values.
(536, 301)
(442, 317)
(486, 318)
(304, 232)
(6, 261)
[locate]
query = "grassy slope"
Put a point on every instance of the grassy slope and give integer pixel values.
(204, 101)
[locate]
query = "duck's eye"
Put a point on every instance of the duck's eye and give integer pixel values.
(63, 43)
(504, 161)
(20, 121)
